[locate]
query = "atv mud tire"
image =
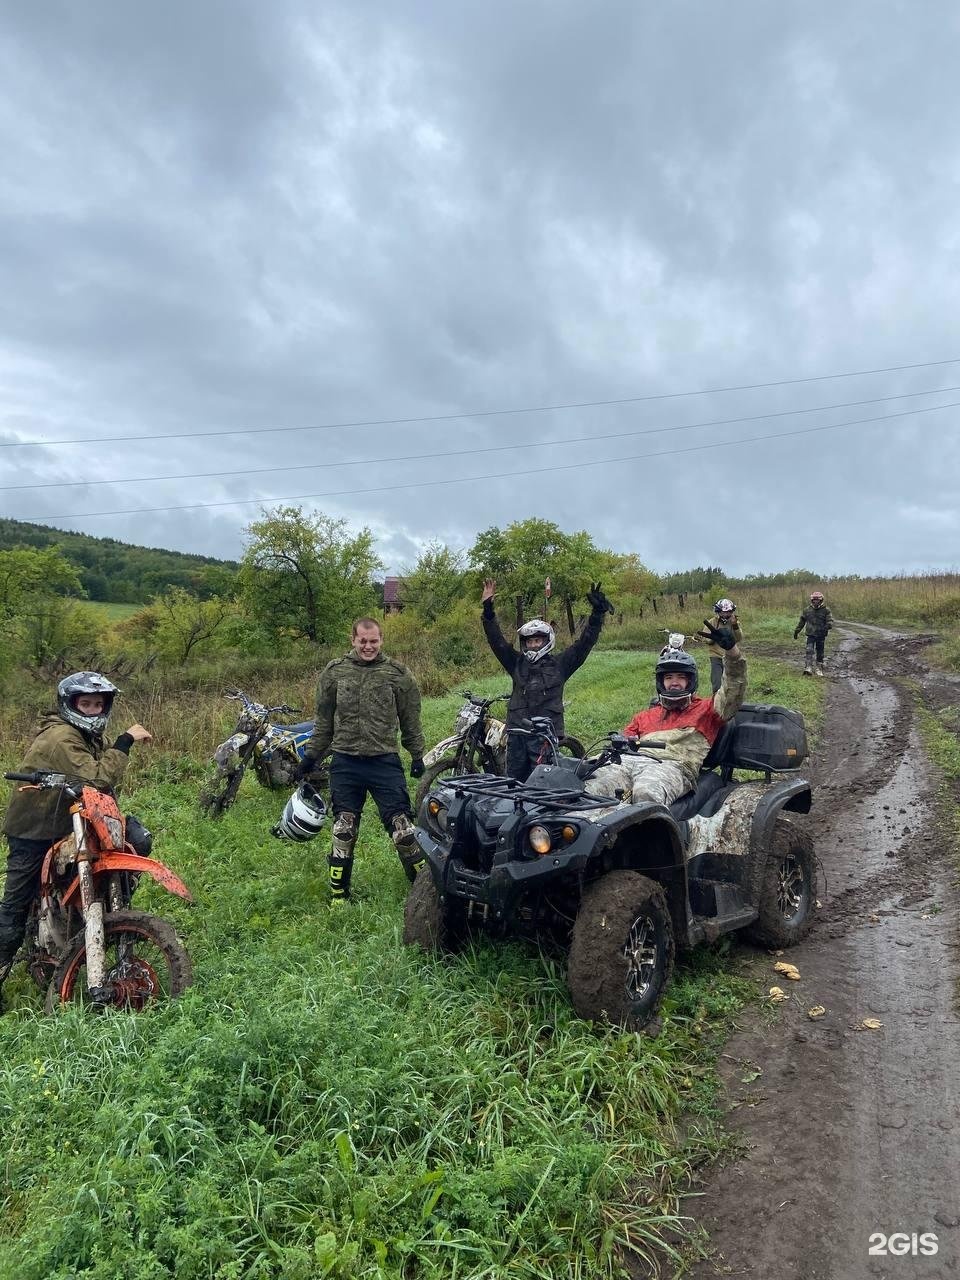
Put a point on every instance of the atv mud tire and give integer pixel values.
(621, 955)
(426, 924)
(788, 888)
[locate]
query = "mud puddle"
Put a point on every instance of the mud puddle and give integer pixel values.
(852, 1134)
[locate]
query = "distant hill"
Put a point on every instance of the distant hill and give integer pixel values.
(119, 572)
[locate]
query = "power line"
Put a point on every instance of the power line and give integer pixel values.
(500, 475)
(497, 448)
(479, 413)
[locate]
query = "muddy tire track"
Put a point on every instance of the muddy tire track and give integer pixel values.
(849, 1132)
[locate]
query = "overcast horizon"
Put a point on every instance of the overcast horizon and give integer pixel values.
(276, 220)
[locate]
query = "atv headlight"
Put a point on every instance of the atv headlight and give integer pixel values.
(540, 839)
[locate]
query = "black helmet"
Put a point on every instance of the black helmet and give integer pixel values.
(676, 660)
(72, 687)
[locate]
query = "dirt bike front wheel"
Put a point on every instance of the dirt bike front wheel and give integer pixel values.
(219, 794)
(145, 962)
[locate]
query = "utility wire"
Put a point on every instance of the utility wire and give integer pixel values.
(500, 475)
(496, 448)
(478, 413)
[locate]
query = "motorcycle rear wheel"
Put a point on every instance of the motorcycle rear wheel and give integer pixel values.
(146, 962)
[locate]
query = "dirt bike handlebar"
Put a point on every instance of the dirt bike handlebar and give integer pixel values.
(237, 695)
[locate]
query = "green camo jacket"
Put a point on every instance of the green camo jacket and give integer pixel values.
(362, 705)
(60, 748)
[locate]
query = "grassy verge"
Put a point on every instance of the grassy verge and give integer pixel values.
(941, 736)
(326, 1102)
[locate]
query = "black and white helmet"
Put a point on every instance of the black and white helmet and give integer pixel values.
(724, 606)
(536, 627)
(676, 660)
(72, 687)
(303, 815)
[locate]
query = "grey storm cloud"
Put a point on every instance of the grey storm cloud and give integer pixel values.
(271, 219)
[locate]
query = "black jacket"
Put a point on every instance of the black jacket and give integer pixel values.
(538, 686)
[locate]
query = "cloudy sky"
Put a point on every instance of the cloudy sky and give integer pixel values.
(296, 222)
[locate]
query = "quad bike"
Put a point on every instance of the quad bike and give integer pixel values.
(274, 751)
(622, 886)
(83, 941)
(477, 745)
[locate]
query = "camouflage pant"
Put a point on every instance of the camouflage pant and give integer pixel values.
(641, 778)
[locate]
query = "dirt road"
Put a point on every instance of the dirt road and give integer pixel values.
(852, 1134)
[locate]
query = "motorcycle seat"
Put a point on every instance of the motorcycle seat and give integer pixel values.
(702, 801)
(305, 726)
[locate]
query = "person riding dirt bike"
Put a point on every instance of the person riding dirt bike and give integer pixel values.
(69, 741)
(818, 620)
(681, 727)
(538, 674)
(726, 616)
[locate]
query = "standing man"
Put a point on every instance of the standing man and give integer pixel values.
(818, 620)
(363, 700)
(538, 673)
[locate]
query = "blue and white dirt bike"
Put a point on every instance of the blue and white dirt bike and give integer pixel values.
(274, 750)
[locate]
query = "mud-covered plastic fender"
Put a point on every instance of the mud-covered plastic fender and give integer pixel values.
(792, 796)
(436, 753)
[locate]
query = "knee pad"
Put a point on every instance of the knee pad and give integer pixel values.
(403, 835)
(344, 835)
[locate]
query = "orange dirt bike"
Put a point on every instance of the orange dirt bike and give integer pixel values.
(83, 942)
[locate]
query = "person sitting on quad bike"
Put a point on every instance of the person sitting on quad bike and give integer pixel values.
(683, 727)
(538, 673)
(69, 741)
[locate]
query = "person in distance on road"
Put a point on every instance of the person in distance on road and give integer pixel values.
(684, 726)
(818, 620)
(363, 700)
(69, 741)
(538, 673)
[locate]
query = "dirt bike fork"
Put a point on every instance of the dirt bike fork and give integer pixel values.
(92, 917)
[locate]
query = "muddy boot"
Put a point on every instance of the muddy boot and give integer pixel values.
(820, 670)
(341, 856)
(808, 670)
(409, 852)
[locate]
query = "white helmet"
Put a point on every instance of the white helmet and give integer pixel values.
(536, 627)
(303, 815)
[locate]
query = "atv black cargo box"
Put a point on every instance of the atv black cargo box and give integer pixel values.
(762, 736)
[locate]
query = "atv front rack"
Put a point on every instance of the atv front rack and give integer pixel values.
(522, 793)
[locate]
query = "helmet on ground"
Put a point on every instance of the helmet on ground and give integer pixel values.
(536, 627)
(73, 687)
(816, 597)
(303, 815)
(724, 606)
(676, 660)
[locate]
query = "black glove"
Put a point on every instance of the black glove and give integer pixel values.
(306, 766)
(796, 633)
(417, 767)
(597, 600)
(721, 636)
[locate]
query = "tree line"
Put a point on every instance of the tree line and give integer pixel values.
(301, 580)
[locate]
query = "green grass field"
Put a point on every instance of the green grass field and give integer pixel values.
(325, 1102)
(111, 612)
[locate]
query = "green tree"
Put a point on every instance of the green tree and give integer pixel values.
(34, 616)
(306, 575)
(186, 625)
(524, 554)
(436, 581)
